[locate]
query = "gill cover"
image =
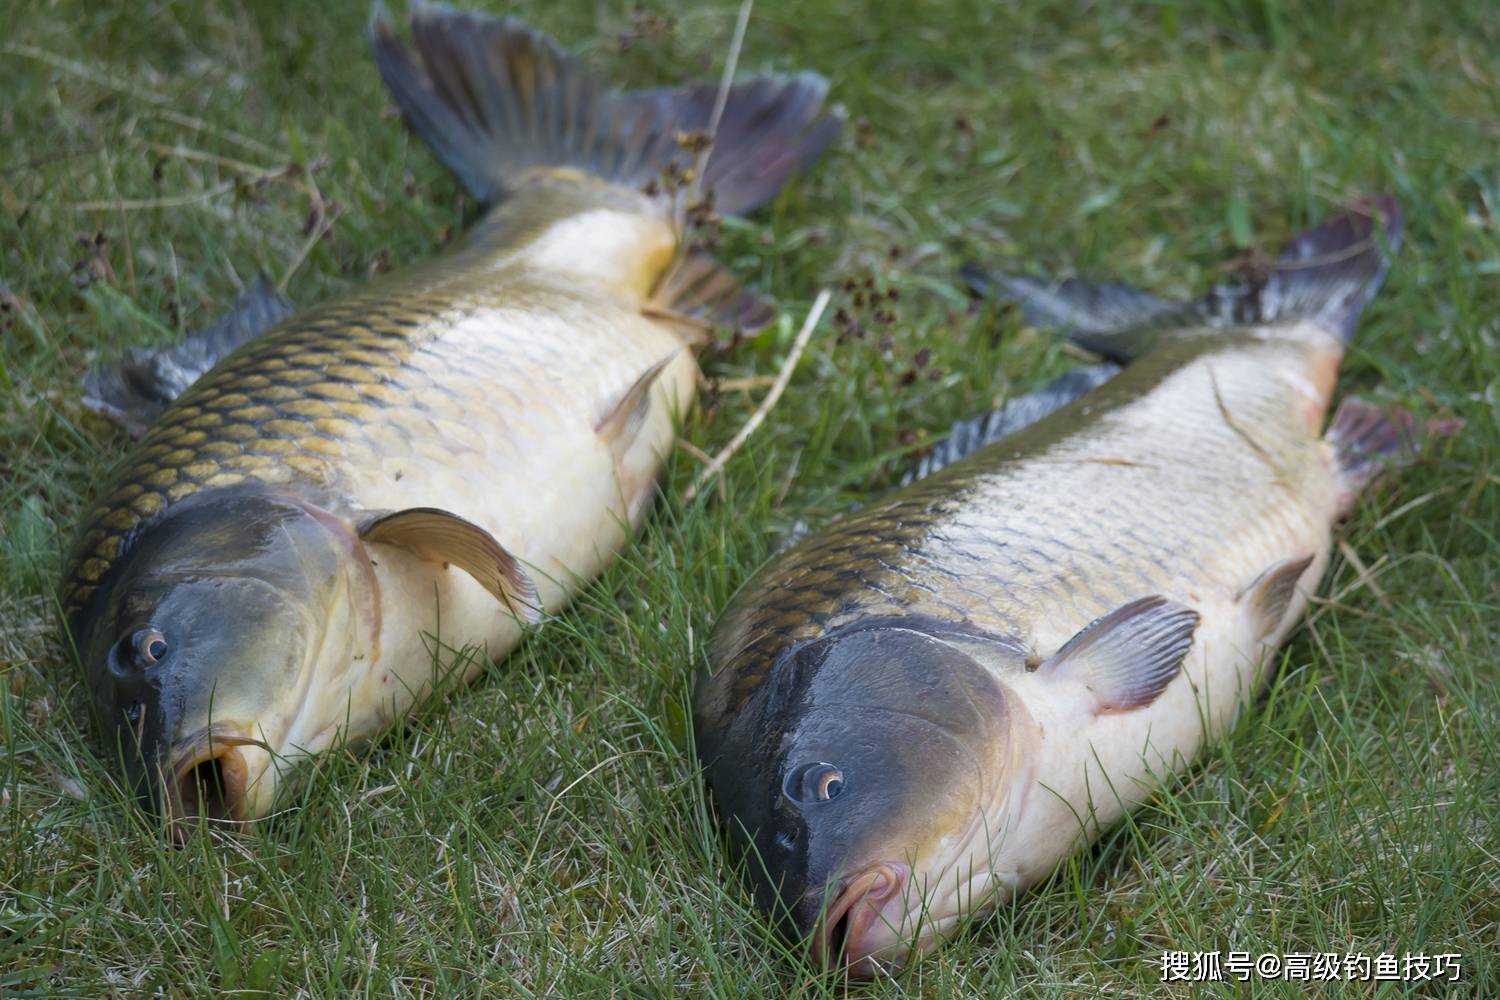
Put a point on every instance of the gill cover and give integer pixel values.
(907, 733)
(208, 619)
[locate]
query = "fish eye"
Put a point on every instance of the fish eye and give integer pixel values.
(815, 782)
(150, 646)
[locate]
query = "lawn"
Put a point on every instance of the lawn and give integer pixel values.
(545, 831)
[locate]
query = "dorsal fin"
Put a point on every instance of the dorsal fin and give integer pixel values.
(134, 390)
(968, 436)
(1113, 321)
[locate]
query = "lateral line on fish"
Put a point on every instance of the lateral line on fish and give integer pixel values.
(1094, 460)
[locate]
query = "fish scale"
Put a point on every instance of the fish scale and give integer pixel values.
(332, 510)
(978, 528)
(930, 704)
(319, 400)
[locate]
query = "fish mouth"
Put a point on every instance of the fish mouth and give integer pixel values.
(854, 927)
(208, 781)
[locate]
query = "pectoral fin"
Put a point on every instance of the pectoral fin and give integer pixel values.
(439, 536)
(1129, 656)
(1271, 593)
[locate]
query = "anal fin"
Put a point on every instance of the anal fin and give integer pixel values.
(1368, 441)
(1129, 656)
(697, 294)
(133, 391)
(1271, 593)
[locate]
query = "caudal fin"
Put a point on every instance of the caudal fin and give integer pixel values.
(496, 99)
(1326, 275)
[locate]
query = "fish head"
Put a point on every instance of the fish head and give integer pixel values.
(863, 782)
(202, 645)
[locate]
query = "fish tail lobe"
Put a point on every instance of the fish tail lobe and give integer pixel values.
(1326, 275)
(497, 100)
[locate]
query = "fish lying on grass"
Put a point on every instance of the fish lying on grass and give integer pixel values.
(924, 709)
(325, 501)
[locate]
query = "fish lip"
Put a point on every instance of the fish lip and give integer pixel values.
(204, 746)
(864, 892)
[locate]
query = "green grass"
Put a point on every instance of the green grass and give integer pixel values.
(545, 831)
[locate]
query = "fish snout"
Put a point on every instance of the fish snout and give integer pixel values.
(855, 929)
(209, 777)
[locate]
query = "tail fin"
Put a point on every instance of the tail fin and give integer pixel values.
(496, 99)
(1327, 275)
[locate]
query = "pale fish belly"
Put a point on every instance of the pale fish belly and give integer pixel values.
(514, 449)
(1088, 770)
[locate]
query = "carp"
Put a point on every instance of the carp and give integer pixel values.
(925, 708)
(328, 502)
